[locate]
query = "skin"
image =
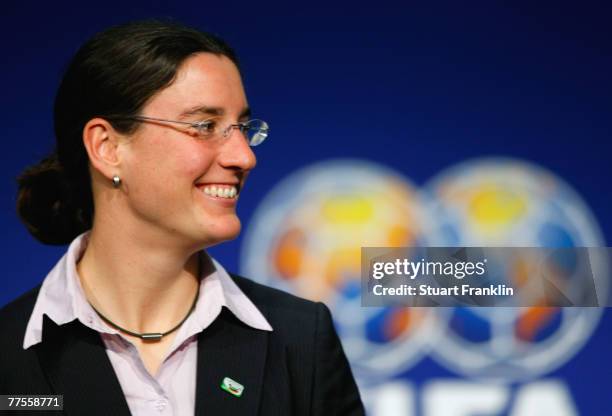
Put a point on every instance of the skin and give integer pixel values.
(140, 266)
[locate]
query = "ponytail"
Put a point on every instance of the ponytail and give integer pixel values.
(48, 204)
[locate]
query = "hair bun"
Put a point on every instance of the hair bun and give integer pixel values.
(45, 204)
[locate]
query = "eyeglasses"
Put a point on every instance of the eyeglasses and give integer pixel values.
(255, 130)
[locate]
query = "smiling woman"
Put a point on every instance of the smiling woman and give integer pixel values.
(154, 145)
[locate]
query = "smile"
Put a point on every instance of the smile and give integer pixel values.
(221, 191)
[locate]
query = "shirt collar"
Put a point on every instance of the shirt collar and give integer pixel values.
(62, 299)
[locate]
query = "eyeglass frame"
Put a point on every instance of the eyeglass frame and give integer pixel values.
(198, 125)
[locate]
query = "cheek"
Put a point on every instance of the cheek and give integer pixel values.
(168, 165)
(193, 164)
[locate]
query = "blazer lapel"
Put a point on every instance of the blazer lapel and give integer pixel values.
(229, 348)
(75, 362)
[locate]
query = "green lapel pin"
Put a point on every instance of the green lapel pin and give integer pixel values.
(232, 387)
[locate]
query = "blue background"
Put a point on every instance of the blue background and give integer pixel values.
(415, 87)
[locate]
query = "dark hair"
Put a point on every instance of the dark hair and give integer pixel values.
(113, 74)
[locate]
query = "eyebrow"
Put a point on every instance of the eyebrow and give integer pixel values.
(213, 111)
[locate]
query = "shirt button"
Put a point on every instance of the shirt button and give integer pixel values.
(161, 404)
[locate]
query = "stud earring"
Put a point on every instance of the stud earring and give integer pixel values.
(116, 181)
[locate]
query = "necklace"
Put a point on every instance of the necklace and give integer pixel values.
(149, 336)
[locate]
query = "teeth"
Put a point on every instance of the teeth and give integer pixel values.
(223, 191)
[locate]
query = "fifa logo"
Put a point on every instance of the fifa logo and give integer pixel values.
(306, 238)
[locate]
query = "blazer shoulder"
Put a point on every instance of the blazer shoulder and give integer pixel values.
(15, 315)
(275, 300)
(314, 351)
(16, 364)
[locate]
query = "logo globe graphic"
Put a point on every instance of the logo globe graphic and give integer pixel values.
(504, 202)
(306, 238)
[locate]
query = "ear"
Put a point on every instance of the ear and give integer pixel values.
(101, 141)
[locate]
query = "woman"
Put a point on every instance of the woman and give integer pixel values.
(153, 149)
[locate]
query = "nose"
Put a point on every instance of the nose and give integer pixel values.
(236, 152)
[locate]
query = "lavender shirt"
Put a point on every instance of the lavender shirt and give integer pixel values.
(172, 390)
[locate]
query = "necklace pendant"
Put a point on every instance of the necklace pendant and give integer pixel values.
(152, 336)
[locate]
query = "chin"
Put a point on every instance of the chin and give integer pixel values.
(227, 231)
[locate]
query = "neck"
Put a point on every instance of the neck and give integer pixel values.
(139, 285)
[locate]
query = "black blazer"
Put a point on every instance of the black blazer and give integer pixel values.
(297, 369)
